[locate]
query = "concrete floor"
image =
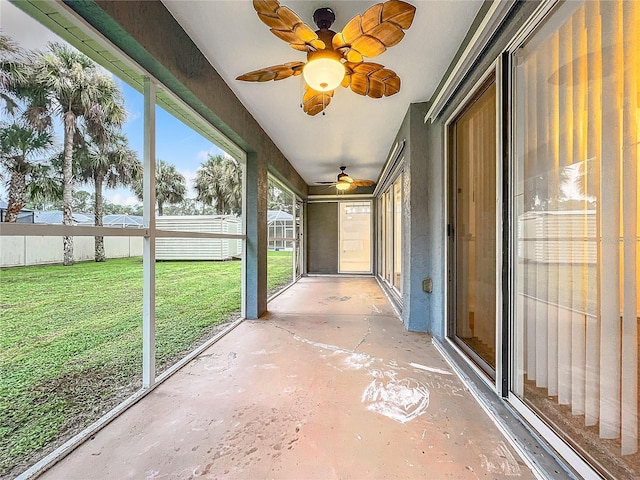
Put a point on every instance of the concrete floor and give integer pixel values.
(328, 385)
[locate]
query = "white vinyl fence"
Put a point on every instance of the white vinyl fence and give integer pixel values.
(178, 248)
(38, 250)
(18, 251)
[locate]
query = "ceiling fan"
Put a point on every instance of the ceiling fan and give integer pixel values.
(335, 59)
(345, 183)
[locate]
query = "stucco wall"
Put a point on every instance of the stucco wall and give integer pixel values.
(423, 232)
(322, 239)
(422, 238)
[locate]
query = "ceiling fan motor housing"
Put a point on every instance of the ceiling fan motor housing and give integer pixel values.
(324, 18)
(343, 176)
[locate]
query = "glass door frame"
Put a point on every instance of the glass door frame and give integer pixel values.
(388, 235)
(493, 377)
(298, 225)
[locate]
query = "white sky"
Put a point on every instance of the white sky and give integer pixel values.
(25, 30)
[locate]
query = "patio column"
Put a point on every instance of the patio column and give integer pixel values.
(418, 262)
(255, 213)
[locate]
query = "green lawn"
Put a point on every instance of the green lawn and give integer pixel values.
(71, 339)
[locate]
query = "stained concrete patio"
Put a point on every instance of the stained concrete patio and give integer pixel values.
(328, 385)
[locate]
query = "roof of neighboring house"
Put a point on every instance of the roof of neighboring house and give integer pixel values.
(123, 220)
(199, 217)
(55, 217)
(273, 215)
(24, 215)
(4, 205)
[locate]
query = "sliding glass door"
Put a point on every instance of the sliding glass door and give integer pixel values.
(390, 246)
(355, 237)
(577, 117)
(472, 228)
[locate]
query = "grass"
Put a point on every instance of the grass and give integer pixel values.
(71, 339)
(279, 270)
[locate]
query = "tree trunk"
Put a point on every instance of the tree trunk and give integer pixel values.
(17, 192)
(67, 192)
(159, 209)
(98, 212)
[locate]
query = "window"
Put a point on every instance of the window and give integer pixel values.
(199, 188)
(81, 338)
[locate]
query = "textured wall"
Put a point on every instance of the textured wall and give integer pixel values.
(423, 229)
(322, 239)
(422, 209)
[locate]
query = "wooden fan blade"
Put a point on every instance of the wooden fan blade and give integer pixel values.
(363, 183)
(359, 183)
(371, 79)
(326, 183)
(314, 102)
(378, 28)
(277, 72)
(287, 26)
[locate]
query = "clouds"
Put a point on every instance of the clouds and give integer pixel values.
(203, 155)
(121, 197)
(189, 176)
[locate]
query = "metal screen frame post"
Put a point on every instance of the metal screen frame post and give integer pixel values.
(149, 244)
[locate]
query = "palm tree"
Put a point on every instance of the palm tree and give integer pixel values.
(70, 85)
(13, 73)
(26, 136)
(9, 52)
(233, 180)
(44, 185)
(29, 177)
(112, 164)
(218, 183)
(17, 89)
(171, 186)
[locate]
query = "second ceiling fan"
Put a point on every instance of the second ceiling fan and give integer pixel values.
(335, 59)
(345, 183)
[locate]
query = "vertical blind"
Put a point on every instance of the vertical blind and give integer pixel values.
(577, 195)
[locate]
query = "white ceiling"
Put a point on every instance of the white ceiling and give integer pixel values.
(356, 131)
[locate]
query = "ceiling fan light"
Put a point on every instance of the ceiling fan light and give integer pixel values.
(343, 177)
(324, 71)
(343, 185)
